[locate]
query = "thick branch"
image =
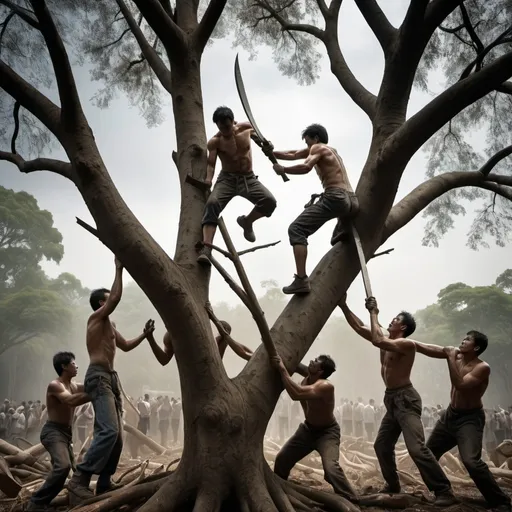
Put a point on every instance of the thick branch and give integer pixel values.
(208, 22)
(38, 164)
(254, 306)
(23, 13)
(68, 93)
(436, 12)
(501, 180)
(494, 160)
(172, 37)
(30, 98)
(419, 198)
(378, 22)
(16, 131)
(157, 64)
(323, 8)
(505, 87)
(420, 127)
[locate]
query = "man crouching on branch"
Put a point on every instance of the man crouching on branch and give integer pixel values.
(320, 430)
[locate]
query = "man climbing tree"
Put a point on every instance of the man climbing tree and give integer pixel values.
(232, 145)
(337, 201)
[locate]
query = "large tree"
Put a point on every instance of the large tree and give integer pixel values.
(225, 419)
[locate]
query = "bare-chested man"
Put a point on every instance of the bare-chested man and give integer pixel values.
(62, 396)
(232, 145)
(337, 201)
(320, 430)
(102, 385)
(402, 402)
(462, 424)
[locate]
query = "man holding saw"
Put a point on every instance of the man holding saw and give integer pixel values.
(337, 200)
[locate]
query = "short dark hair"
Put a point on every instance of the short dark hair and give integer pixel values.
(408, 321)
(146, 397)
(97, 296)
(223, 113)
(61, 359)
(226, 326)
(328, 365)
(318, 131)
(480, 339)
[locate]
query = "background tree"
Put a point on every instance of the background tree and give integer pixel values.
(225, 419)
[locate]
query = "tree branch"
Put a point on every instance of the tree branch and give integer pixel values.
(436, 12)
(421, 126)
(382, 253)
(494, 160)
(378, 22)
(157, 64)
(16, 131)
(68, 93)
(241, 253)
(479, 46)
(419, 198)
(323, 8)
(172, 37)
(23, 13)
(30, 98)
(90, 229)
(254, 306)
(39, 164)
(505, 88)
(500, 179)
(208, 22)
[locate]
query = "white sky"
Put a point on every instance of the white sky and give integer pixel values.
(139, 160)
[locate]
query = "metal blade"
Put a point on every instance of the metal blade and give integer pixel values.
(362, 262)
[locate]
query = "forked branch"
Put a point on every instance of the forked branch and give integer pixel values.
(241, 253)
(208, 22)
(253, 304)
(494, 160)
(378, 22)
(24, 14)
(38, 164)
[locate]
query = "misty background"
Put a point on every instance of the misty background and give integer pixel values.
(139, 161)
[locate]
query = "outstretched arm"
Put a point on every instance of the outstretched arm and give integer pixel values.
(298, 391)
(114, 296)
(313, 158)
(355, 322)
(58, 390)
(479, 374)
(297, 154)
(126, 346)
(434, 351)
(163, 356)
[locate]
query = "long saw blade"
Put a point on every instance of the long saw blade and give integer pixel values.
(248, 112)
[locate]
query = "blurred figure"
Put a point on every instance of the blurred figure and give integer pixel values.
(164, 417)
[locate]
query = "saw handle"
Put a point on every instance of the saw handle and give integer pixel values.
(272, 158)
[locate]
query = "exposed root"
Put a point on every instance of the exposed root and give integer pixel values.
(175, 461)
(208, 500)
(170, 496)
(277, 493)
(392, 501)
(127, 472)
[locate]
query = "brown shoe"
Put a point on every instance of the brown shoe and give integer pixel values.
(204, 256)
(248, 232)
(78, 492)
(300, 285)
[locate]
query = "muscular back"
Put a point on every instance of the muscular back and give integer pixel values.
(101, 341)
(330, 168)
(234, 152)
(396, 367)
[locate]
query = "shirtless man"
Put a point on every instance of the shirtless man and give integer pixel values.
(402, 402)
(62, 396)
(320, 430)
(337, 201)
(462, 424)
(232, 144)
(102, 385)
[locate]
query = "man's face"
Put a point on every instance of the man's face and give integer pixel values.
(310, 141)
(467, 345)
(225, 127)
(71, 368)
(315, 367)
(396, 325)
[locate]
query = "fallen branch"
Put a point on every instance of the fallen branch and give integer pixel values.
(241, 253)
(382, 253)
(152, 445)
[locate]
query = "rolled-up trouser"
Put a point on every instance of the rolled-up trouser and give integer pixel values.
(334, 203)
(230, 185)
(103, 455)
(403, 414)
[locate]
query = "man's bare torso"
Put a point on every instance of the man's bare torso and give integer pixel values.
(234, 152)
(59, 412)
(331, 170)
(396, 368)
(468, 398)
(319, 412)
(101, 341)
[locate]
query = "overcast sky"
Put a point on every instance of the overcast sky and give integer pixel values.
(139, 160)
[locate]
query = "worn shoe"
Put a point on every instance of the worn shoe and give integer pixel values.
(445, 499)
(299, 285)
(387, 489)
(78, 492)
(204, 256)
(248, 232)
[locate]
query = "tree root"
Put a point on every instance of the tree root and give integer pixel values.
(277, 493)
(208, 500)
(391, 501)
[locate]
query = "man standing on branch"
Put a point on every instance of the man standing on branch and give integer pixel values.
(463, 422)
(337, 201)
(402, 402)
(232, 144)
(320, 430)
(102, 385)
(62, 396)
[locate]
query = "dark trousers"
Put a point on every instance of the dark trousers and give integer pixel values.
(230, 185)
(143, 424)
(333, 203)
(175, 425)
(56, 438)
(465, 429)
(403, 415)
(103, 455)
(163, 426)
(326, 441)
(347, 427)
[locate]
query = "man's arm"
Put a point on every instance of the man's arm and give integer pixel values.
(211, 160)
(297, 154)
(474, 378)
(114, 296)
(64, 396)
(126, 346)
(298, 391)
(434, 351)
(163, 356)
(313, 158)
(355, 322)
(79, 388)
